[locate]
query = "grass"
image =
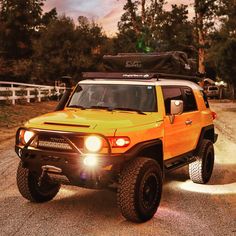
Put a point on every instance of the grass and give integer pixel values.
(12, 117)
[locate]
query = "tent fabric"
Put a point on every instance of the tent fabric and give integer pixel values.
(174, 62)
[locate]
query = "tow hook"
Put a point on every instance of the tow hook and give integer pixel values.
(48, 169)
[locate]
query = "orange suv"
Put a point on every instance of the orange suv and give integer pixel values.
(123, 131)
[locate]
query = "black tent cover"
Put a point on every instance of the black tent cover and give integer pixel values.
(174, 62)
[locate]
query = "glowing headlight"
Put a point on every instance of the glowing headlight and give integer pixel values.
(28, 135)
(93, 143)
(90, 161)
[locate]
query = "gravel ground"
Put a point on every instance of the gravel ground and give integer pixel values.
(186, 208)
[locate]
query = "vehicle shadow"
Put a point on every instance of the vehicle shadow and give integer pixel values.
(88, 200)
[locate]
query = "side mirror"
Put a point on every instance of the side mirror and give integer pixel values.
(176, 108)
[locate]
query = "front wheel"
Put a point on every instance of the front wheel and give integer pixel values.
(200, 171)
(29, 188)
(140, 188)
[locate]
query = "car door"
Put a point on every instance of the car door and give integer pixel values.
(180, 136)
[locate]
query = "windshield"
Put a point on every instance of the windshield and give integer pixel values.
(116, 96)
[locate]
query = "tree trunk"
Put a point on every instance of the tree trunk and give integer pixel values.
(201, 43)
(143, 12)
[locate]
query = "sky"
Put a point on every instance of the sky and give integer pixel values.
(106, 13)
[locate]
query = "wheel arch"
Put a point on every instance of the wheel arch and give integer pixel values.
(207, 132)
(152, 149)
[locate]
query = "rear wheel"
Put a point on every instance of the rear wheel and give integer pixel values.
(200, 171)
(30, 189)
(140, 188)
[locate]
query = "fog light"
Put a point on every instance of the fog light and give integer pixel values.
(90, 161)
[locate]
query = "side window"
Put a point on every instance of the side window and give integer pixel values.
(189, 100)
(205, 98)
(171, 93)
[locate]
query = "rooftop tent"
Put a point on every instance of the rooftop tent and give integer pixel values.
(175, 62)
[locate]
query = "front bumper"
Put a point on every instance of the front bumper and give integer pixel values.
(72, 166)
(70, 163)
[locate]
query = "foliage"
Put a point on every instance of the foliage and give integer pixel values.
(226, 63)
(220, 38)
(20, 19)
(177, 30)
(66, 49)
(153, 29)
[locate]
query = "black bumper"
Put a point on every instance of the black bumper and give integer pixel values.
(72, 166)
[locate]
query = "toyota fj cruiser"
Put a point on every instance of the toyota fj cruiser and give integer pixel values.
(123, 131)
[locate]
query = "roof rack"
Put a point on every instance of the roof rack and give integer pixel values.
(137, 76)
(118, 75)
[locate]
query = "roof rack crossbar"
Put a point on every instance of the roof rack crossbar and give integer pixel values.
(178, 76)
(119, 75)
(131, 76)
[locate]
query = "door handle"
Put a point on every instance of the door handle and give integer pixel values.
(188, 122)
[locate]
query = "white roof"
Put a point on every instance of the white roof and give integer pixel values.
(159, 82)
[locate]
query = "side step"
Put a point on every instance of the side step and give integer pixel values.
(177, 162)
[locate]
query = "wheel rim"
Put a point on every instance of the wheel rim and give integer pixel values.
(45, 188)
(209, 163)
(150, 191)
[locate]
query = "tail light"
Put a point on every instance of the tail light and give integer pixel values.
(119, 142)
(213, 115)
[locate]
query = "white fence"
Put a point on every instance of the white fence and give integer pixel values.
(11, 91)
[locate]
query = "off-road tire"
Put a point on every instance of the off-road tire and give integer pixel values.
(28, 186)
(200, 171)
(140, 179)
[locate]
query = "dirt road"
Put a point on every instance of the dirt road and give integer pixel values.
(186, 208)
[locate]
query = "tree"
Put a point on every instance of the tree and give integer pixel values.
(205, 14)
(54, 49)
(226, 13)
(226, 64)
(20, 23)
(138, 32)
(153, 28)
(20, 19)
(177, 30)
(49, 16)
(66, 49)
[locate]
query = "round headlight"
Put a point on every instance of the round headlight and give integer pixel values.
(93, 143)
(28, 135)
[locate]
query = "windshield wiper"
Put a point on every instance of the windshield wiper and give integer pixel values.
(77, 106)
(128, 109)
(99, 107)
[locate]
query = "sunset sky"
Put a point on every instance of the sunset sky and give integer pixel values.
(105, 12)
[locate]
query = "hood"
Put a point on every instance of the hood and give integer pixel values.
(91, 120)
